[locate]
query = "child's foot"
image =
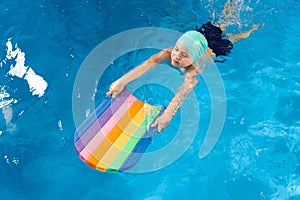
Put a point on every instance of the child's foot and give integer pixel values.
(236, 37)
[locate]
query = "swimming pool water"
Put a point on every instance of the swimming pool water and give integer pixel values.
(43, 44)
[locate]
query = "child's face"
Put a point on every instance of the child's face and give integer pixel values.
(180, 56)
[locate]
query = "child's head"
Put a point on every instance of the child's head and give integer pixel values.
(188, 49)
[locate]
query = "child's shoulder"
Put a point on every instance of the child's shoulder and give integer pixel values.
(203, 62)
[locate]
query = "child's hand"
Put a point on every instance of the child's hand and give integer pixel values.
(115, 88)
(162, 122)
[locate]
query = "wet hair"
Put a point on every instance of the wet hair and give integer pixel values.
(216, 39)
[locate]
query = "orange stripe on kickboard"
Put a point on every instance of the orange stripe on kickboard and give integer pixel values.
(115, 132)
(92, 161)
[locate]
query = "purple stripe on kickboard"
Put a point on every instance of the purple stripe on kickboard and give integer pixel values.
(94, 129)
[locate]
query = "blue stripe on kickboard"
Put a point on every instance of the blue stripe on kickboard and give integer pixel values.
(92, 118)
(99, 111)
(94, 129)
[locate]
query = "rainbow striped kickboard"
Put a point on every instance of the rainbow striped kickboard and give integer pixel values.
(117, 133)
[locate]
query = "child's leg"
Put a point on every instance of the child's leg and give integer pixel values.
(236, 37)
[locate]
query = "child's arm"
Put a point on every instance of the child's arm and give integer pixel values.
(189, 83)
(117, 86)
(182, 92)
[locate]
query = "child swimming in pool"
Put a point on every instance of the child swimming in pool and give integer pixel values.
(192, 53)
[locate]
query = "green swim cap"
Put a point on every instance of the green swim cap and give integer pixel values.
(195, 42)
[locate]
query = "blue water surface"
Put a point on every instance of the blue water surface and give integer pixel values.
(257, 155)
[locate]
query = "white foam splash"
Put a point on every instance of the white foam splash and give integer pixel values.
(5, 103)
(5, 99)
(19, 69)
(60, 126)
(287, 191)
(3, 93)
(37, 84)
(8, 114)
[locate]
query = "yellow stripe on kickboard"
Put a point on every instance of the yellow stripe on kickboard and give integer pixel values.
(126, 135)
